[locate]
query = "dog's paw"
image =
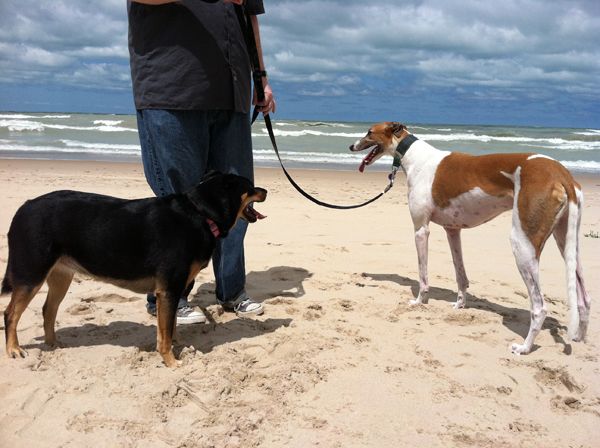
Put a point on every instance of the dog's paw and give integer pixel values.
(579, 335)
(458, 305)
(520, 349)
(170, 360)
(461, 300)
(53, 343)
(421, 299)
(16, 352)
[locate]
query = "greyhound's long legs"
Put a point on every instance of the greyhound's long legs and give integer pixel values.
(459, 268)
(421, 241)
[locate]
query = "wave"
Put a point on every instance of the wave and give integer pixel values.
(587, 166)
(100, 149)
(28, 125)
(556, 143)
(567, 145)
(117, 151)
(325, 124)
(305, 132)
(549, 143)
(108, 122)
(100, 146)
(349, 159)
(589, 133)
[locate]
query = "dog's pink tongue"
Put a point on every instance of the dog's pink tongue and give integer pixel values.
(361, 168)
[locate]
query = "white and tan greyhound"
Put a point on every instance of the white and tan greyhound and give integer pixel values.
(459, 191)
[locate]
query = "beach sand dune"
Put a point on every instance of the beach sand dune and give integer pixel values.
(338, 360)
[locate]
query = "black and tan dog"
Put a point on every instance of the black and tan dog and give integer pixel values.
(146, 245)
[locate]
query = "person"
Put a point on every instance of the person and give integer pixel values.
(191, 80)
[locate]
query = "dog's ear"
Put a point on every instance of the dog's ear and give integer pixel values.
(396, 128)
(206, 203)
(210, 200)
(219, 197)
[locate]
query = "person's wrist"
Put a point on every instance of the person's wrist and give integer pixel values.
(261, 73)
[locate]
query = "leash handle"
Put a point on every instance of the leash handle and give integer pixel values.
(249, 37)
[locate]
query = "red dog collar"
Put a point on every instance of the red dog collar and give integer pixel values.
(213, 227)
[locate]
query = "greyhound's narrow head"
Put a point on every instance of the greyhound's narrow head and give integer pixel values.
(381, 139)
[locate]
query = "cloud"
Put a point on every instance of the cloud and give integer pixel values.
(467, 50)
(57, 42)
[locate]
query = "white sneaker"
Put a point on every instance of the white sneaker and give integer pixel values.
(248, 307)
(188, 315)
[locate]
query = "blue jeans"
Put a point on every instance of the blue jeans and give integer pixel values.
(178, 147)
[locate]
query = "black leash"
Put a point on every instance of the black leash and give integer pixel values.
(248, 31)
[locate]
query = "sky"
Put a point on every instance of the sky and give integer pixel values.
(514, 62)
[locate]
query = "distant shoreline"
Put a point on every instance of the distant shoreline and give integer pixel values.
(134, 165)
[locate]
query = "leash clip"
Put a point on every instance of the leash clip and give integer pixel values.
(391, 177)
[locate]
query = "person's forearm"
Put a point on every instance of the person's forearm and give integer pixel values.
(256, 29)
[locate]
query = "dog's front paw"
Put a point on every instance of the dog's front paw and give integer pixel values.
(421, 298)
(16, 352)
(53, 343)
(461, 301)
(520, 349)
(170, 360)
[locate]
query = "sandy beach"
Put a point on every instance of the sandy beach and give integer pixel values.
(339, 359)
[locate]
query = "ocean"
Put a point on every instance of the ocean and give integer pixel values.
(302, 144)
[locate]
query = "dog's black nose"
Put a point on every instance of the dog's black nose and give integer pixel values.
(351, 147)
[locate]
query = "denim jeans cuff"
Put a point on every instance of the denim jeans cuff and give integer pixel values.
(233, 302)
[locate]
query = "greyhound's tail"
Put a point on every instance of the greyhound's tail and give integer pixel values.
(571, 256)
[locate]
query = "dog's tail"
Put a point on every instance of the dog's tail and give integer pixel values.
(575, 288)
(7, 286)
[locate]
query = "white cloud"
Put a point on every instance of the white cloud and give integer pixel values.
(335, 48)
(59, 40)
(530, 45)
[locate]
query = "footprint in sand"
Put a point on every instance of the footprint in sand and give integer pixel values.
(556, 376)
(466, 318)
(81, 309)
(111, 298)
(315, 311)
(346, 305)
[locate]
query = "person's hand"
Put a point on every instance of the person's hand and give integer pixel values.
(268, 105)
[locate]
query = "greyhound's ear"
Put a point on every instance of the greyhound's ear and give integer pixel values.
(397, 128)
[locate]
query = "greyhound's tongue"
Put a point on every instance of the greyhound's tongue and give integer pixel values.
(361, 168)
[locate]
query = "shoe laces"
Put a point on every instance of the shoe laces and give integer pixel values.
(185, 310)
(244, 303)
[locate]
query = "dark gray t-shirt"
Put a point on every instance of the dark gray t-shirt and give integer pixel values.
(189, 56)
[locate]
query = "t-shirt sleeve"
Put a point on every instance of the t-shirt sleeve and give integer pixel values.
(254, 7)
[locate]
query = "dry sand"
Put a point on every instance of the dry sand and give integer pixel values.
(338, 360)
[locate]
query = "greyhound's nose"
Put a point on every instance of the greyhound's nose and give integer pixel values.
(351, 147)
